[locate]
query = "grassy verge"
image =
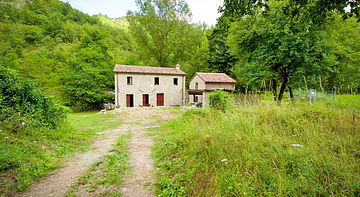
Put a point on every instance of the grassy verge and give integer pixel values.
(88, 123)
(104, 177)
(29, 156)
(348, 100)
(342, 100)
(261, 150)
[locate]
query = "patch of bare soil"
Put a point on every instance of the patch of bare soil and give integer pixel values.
(7, 182)
(138, 181)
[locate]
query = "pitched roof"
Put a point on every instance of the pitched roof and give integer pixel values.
(147, 70)
(215, 78)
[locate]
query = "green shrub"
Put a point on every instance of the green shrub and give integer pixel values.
(23, 106)
(220, 100)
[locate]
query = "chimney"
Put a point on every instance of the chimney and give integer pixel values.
(177, 67)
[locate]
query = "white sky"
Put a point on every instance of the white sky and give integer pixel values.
(202, 10)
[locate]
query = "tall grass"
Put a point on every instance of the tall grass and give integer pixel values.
(261, 150)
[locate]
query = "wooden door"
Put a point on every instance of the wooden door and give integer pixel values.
(145, 100)
(129, 100)
(160, 99)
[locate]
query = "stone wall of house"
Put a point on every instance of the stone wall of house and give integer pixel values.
(174, 95)
(197, 79)
(212, 86)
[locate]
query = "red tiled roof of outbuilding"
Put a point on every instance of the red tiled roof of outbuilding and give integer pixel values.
(147, 70)
(215, 78)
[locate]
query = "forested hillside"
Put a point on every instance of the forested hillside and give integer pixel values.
(278, 46)
(69, 53)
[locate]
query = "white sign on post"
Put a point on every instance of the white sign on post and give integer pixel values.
(313, 95)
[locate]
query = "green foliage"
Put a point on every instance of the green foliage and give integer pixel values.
(220, 58)
(261, 150)
(342, 42)
(22, 104)
(286, 42)
(198, 61)
(69, 53)
(29, 121)
(72, 55)
(220, 100)
(162, 33)
(34, 133)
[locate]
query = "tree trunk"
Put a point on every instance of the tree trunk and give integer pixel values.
(291, 93)
(282, 89)
(274, 89)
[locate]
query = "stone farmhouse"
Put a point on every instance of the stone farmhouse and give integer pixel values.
(203, 83)
(144, 86)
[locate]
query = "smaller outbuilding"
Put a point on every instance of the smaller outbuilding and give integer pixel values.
(203, 83)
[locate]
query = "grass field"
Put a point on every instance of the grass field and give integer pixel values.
(348, 100)
(26, 157)
(296, 149)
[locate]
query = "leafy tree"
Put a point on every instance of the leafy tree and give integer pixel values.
(162, 33)
(198, 60)
(220, 58)
(342, 41)
(280, 41)
(88, 83)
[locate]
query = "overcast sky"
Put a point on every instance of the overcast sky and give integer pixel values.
(202, 10)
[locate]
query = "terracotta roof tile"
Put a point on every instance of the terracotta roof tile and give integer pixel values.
(216, 78)
(147, 70)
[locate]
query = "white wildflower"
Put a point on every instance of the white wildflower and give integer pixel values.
(23, 123)
(6, 137)
(224, 160)
(35, 141)
(297, 145)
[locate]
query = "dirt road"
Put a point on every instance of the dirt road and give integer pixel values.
(138, 180)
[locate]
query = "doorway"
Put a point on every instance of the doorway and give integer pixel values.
(129, 100)
(146, 100)
(160, 99)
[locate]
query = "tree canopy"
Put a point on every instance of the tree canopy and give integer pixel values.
(162, 33)
(285, 41)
